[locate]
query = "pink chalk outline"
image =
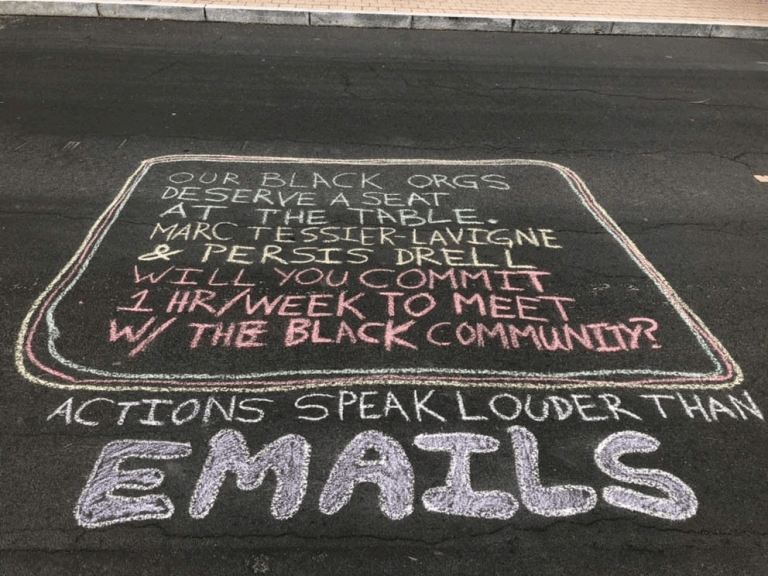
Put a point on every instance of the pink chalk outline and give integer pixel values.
(726, 375)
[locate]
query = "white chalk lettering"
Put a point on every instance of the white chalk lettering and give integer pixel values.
(681, 502)
(456, 497)
(391, 472)
(99, 506)
(287, 457)
(563, 500)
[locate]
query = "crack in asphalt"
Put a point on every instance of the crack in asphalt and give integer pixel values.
(160, 70)
(589, 91)
(51, 214)
(66, 217)
(645, 228)
(356, 539)
(506, 148)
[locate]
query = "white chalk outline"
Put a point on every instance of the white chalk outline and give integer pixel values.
(726, 375)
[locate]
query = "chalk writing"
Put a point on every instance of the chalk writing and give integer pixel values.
(391, 471)
(565, 500)
(98, 504)
(287, 457)
(400, 406)
(457, 497)
(680, 503)
(211, 273)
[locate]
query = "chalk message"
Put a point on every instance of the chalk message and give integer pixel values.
(392, 472)
(211, 272)
(244, 457)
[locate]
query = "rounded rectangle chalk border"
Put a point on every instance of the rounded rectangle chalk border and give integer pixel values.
(726, 375)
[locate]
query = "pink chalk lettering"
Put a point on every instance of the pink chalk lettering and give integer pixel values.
(152, 277)
(431, 334)
(460, 301)
(185, 272)
(140, 297)
(555, 342)
(599, 331)
(531, 275)
(390, 296)
(363, 278)
(522, 309)
(558, 300)
(213, 277)
(498, 332)
(345, 304)
(128, 332)
(581, 337)
(649, 332)
(528, 332)
(465, 334)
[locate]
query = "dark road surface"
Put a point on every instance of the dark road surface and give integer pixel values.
(418, 417)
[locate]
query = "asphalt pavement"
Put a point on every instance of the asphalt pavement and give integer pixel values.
(284, 300)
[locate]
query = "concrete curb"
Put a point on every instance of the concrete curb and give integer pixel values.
(245, 15)
(147, 11)
(35, 8)
(488, 24)
(224, 13)
(743, 32)
(359, 19)
(563, 26)
(661, 29)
